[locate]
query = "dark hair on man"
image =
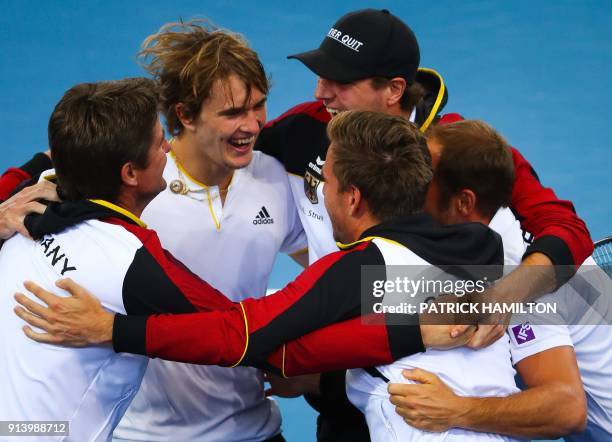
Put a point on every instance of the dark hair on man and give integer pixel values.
(188, 58)
(98, 127)
(413, 94)
(474, 156)
(385, 157)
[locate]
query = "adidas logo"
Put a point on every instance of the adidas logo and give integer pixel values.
(263, 217)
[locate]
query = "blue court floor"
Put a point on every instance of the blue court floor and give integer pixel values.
(538, 71)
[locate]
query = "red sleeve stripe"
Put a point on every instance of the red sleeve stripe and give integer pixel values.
(348, 344)
(210, 338)
(10, 180)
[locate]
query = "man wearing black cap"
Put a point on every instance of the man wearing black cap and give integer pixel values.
(369, 60)
(365, 44)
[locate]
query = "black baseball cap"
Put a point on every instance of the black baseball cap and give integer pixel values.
(362, 44)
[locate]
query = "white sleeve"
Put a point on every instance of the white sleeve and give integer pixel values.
(509, 229)
(295, 240)
(527, 339)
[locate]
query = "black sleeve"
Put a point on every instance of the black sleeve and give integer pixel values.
(270, 142)
(148, 290)
(156, 282)
(37, 165)
(294, 140)
(34, 167)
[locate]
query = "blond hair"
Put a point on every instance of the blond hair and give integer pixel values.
(186, 59)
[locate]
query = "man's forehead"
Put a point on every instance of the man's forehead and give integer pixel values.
(158, 132)
(158, 127)
(331, 148)
(233, 92)
(327, 169)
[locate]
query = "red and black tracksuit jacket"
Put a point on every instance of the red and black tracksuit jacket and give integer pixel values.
(315, 323)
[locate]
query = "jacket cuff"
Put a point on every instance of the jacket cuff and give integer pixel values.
(558, 252)
(130, 334)
(37, 165)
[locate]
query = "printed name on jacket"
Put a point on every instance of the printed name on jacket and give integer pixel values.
(56, 256)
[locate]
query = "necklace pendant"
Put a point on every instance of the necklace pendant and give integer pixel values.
(178, 187)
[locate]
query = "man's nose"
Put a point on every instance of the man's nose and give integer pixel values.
(324, 90)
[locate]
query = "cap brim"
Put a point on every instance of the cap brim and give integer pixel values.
(327, 67)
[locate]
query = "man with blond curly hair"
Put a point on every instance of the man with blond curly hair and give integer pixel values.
(224, 204)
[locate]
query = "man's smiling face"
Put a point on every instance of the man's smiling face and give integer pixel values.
(229, 122)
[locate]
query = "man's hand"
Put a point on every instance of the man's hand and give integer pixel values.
(530, 280)
(15, 209)
(485, 335)
(441, 337)
(429, 405)
(490, 328)
(75, 321)
(439, 329)
(292, 387)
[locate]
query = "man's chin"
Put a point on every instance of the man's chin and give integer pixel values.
(162, 186)
(155, 194)
(338, 237)
(240, 161)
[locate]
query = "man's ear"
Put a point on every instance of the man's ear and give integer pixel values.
(356, 201)
(182, 115)
(129, 175)
(466, 202)
(396, 88)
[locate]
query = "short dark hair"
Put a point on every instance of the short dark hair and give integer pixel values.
(474, 156)
(98, 127)
(187, 58)
(385, 157)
